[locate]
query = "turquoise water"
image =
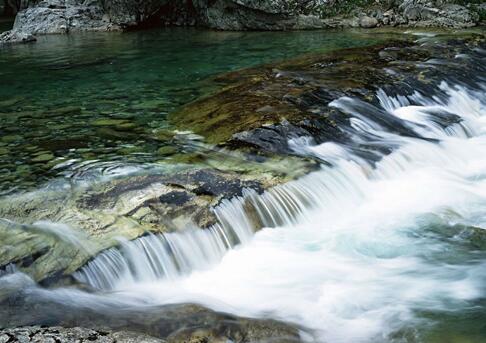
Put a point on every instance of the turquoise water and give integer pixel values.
(91, 98)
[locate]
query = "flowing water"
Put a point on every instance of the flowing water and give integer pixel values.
(387, 249)
(357, 252)
(74, 106)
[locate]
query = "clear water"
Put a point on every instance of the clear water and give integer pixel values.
(56, 94)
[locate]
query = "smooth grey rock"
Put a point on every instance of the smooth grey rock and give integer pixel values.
(368, 22)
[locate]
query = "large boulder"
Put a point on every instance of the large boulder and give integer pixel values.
(62, 16)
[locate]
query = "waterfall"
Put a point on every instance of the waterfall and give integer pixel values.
(344, 181)
(171, 255)
(384, 243)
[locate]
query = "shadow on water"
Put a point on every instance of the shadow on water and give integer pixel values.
(6, 23)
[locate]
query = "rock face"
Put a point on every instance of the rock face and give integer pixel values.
(64, 16)
(71, 335)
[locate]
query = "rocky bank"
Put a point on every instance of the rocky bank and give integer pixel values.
(67, 16)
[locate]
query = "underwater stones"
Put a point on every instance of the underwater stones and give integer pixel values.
(109, 122)
(10, 102)
(42, 158)
(75, 142)
(167, 150)
(162, 135)
(155, 105)
(11, 138)
(264, 98)
(107, 125)
(65, 110)
(111, 133)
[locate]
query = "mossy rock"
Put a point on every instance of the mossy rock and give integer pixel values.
(268, 95)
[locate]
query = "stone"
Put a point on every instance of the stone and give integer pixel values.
(14, 36)
(65, 110)
(167, 150)
(43, 158)
(109, 122)
(10, 102)
(368, 22)
(11, 138)
(413, 12)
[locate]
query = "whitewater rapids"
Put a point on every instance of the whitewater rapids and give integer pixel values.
(355, 252)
